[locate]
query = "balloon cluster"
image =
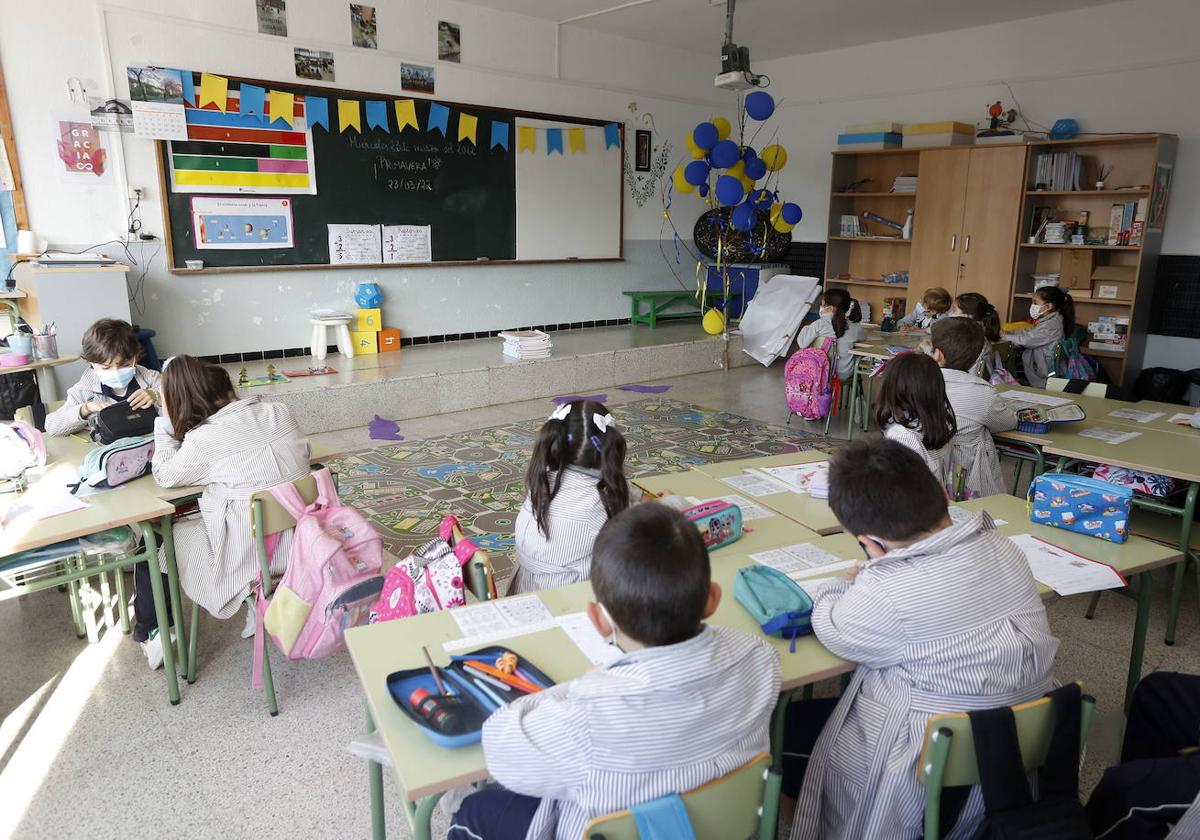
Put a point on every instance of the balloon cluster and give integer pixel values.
(734, 175)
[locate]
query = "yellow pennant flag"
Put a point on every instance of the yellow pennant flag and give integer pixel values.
(526, 138)
(406, 115)
(575, 140)
(349, 115)
(466, 127)
(214, 89)
(282, 104)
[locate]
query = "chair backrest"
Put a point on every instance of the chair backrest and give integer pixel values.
(266, 510)
(727, 808)
(1091, 389)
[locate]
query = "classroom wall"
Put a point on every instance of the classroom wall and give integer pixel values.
(1125, 67)
(508, 60)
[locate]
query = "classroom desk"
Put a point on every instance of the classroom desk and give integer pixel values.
(813, 514)
(47, 384)
(1098, 409)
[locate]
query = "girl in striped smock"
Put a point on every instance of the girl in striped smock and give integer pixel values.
(911, 408)
(234, 448)
(576, 482)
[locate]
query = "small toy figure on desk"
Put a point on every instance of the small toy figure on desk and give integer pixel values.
(243, 378)
(270, 371)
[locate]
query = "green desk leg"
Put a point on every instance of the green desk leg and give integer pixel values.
(122, 601)
(867, 403)
(778, 719)
(1185, 544)
(150, 544)
(854, 386)
(1144, 595)
(76, 607)
(421, 814)
(167, 529)
(375, 779)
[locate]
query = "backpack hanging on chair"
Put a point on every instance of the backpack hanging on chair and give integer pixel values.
(1072, 364)
(807, 383)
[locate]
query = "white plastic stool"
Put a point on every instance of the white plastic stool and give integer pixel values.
(320, 341)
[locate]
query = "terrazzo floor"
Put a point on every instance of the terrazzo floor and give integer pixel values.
(90, 748)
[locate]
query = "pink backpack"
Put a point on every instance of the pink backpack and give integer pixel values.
(332, 576)
(806, 382)
(429, 579)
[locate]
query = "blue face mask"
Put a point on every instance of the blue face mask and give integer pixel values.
(116, 378)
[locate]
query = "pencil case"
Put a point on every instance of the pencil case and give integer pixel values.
(1081, 504)
(720, 522)
(1039, 420)
(468, 700)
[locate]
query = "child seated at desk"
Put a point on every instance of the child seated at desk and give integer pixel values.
(111, 349)
(839, 319)
(1053, 314)
(686, 704)
(911, 408)
(940, 617)
(933, 305)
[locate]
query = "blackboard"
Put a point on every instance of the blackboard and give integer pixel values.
(465, 191)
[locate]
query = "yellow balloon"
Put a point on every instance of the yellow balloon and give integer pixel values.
(723, 127)
(775, 157)
(776, 214)
(747, 182)
(696, 151)
(781, 226)
(737, 170)
(714, 322)
(681, 185)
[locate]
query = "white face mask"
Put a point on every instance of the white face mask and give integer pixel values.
(919, 309)
(612, 636)
(827, 312)
(954, 313)
(1034, 310)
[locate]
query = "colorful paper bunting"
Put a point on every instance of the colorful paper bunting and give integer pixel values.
(214, 90)
(466, 128)
(252, 100)
(316, 110)
(281, 105)
(554, 141)
(189, 86)
(499, 135)
(406, 115)
(376, 114)
(526, 139)
(349, 115)
(438, 115)
(575, 140)
(612, 135)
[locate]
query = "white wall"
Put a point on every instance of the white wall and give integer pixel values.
(1131, 66)
(509, 60)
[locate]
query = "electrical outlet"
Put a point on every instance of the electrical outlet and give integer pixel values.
(136, 193)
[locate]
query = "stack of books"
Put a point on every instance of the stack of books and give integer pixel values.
(1127, 223)
(849, 226)
(1045, 278)
(1055, 233)
(1058, 171)
(526, 344)
(905, 184)
(1108, 332)
(331, 315)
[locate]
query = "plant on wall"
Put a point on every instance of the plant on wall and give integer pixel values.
(644, 185)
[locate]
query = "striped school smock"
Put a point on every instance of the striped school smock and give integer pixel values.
(244, 447)
(65, 419)
(1039, 343)
(657, 721)
(939, 461)
(949, 624)
(979, 411)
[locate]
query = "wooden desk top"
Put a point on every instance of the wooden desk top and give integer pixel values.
(46, 363)
(813, 514)
(1099, 408)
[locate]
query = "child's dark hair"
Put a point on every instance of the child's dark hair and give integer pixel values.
(650, 570)
(912, 393)
(936, 300)
(193, 391)
(882, 488)
(1062, 302)
(576, 441)
(959, 339)
(110, 340)
(976, 307)
(845, 308)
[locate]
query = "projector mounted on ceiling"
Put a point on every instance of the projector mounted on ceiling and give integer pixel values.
(735, 61)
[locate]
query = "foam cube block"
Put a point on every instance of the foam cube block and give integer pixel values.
(369, 320)
(365, 342)
(389, 339)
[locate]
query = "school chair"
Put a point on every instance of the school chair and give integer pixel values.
(741, 804)
(948, 757)
(1062, 385)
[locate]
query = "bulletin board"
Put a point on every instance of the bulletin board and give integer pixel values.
(483, 184)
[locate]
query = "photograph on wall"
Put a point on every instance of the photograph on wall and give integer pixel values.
(362, 27)
(642, 150)
(449, 42)
(241, 223)
(272, 17)
(416, 78)
(1158, 200)
(111, 114)
(79, 149)
(155, 84)
(314, 64)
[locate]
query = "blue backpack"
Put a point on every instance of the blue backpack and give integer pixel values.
(776, 602)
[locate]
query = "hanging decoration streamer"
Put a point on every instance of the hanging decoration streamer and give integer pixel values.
(554, 141)
(467, 125)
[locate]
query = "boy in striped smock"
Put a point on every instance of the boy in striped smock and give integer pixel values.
(685, 704)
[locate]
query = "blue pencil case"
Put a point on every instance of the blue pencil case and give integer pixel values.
(468, 700)
(1081, 504)
(1037, 420)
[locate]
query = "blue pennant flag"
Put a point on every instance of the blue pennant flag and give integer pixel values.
(316, 111)
(377, 115)
(554, 141)
(189, 86)
(252, 101)
(612, 136)
(438, 115)
(499, 135)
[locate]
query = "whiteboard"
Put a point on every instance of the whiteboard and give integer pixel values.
(568, 205)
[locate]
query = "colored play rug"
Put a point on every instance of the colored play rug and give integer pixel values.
(406, 488)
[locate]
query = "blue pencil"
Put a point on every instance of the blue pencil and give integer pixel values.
(483, 687)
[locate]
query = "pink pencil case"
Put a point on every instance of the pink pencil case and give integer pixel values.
(720, 522)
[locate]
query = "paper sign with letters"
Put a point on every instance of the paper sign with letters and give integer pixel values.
(354, 244)
(407, 244)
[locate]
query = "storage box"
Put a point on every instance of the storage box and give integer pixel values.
(873, 128)
(943, 127)
(1113, 282)
(365, 342)
(870, 140)
(389, 340)
(369, 320)
(930, 135)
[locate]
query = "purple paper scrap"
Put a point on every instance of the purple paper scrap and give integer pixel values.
(573, 397)
(645, 389)
(380, 429)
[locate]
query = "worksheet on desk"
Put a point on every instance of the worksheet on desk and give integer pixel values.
(750, 510)
(797, 477)
(1113, 436)
(1064, 571)
(493, 621)
(754, 484)
(1136, 415)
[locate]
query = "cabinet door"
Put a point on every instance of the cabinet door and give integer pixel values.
(937, 221)
(995, 184)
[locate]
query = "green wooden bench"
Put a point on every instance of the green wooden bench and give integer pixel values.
(657, 304)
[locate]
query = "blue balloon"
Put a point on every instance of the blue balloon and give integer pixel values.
(748, 154)
(760, 105)
(703, 190)
(724, 155)
(791, 213)
(755, 169)
(705, 135)
(743, 217)
(761, 199)
(696, 172)
(729, 190)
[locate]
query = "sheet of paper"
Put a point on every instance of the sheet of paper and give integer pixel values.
(958, 514)
(407, 243)
(523, 609)
(797, 477)
(34, 506)
(801, 560)
(479, 619)
(750, 510)
(1063, 571)
(755, 484)
(159, 121)
(493, 621)
(1034, 399)
(594, 646)
(813, 586)
(1134, 414)
(1112, 436)
(1182, 418)
(355, 244)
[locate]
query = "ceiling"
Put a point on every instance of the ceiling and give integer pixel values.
(775, 28)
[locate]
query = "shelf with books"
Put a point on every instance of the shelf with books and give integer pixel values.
(1070, 247)
(1109, 354)
(862, 281)
(1085, 193)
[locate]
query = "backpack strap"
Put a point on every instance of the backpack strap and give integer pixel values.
(327, 494)
(998, 756)
(1059, 776)
(289, 499)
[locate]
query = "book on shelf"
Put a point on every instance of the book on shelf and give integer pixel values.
(904, 184)
(1137, 231)
(1104, 345)
(1115, 214)
(1058, 171)
(850, 225)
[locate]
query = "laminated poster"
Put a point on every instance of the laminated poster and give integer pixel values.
(355, 245)
(232, 223)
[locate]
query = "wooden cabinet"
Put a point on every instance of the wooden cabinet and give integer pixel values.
(937, 221)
